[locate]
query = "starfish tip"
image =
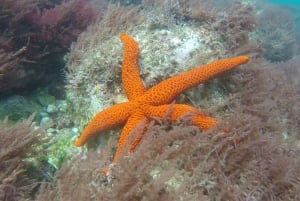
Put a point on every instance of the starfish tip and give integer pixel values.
(244, 58)
(123, 35)
(78, 143)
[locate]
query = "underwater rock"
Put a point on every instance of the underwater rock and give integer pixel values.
(18, 107)
(51, 109)
(46, 122)
(43, 97)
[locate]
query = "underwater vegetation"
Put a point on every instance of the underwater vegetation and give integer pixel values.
(34, 36)
(21, 156)
(251, 154)
(277, 30)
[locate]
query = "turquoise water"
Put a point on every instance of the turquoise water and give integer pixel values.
(288, 2)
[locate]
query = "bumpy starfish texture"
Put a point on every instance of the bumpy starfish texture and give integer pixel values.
(154, 102)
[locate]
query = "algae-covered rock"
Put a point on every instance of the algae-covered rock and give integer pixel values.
(18, 107)
(44, 98)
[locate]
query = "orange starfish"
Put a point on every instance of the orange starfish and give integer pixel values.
(154, 102)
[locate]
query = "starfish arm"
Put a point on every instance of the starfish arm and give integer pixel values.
(104, 120)
(132, 123)
(198, 118)
(132, 82)
(167, 90)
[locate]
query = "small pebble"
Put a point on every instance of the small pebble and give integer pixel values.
(46, 122)
(51, 108)
(75, 130)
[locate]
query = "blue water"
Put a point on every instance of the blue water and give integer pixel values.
(286, 3)
(292, 5)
